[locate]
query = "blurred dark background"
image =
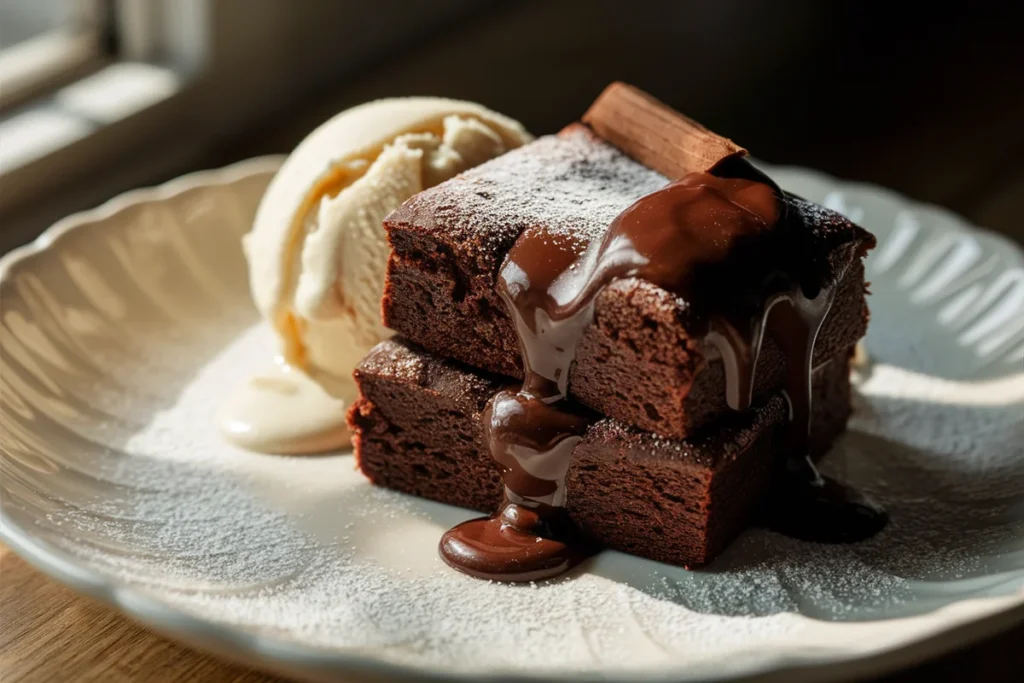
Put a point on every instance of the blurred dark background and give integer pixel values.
(924, 98)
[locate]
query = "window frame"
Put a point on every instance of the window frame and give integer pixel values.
(234, 65)
(44, 62)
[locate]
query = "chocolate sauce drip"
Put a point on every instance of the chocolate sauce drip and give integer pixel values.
(724, 246)
(531, 432)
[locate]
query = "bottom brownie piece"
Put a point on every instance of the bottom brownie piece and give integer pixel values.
(417, 430)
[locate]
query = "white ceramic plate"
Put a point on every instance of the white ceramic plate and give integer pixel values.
(123, 327)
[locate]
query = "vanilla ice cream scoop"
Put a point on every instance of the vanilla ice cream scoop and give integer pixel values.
(317, 251)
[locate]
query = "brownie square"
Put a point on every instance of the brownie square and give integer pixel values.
(642, 360)
(417, 429)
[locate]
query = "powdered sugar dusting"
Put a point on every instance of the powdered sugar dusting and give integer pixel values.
(570, 183)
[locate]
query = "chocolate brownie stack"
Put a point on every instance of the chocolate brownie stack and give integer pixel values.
(658, 464)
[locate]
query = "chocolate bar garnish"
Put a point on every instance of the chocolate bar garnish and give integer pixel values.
(656, 135)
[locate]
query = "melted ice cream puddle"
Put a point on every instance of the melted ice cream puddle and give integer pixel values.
(284, 411)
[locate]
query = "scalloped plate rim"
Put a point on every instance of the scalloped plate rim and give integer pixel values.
(986, 616)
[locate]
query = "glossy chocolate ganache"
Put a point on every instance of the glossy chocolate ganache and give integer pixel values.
(724, 243)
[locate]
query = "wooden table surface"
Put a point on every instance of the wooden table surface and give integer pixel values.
(963, 152)
(48, 633)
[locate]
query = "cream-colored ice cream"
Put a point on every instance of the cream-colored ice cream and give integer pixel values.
(317, 254)
(317, 251)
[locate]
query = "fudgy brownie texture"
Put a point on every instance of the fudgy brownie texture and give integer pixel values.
(642, 360)
(417, 429)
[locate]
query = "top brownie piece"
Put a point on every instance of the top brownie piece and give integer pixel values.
(642, 360)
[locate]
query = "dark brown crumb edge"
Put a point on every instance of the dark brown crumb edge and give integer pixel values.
(417, 430)
(639, 361)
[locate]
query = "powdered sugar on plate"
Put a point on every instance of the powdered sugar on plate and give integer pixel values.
(305, 549)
